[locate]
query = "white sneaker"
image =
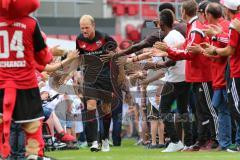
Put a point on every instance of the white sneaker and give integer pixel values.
(174, 147)
(105, 145)
(94, 147)
(59, 145)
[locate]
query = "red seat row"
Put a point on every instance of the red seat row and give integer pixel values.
(63, 36)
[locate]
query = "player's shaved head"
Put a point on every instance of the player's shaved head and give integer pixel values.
(87, 26)
(87, 19)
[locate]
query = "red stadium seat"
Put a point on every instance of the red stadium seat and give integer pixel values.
(51, 36)
(64, 37)
(118, 38)
(118, 9)
(133, 9)
(149, 12)
(73, 37)
(132, 33)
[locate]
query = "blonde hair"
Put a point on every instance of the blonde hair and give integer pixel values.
(87, 17)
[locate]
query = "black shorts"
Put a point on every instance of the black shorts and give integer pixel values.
(100, 90)
(28, 106)
(153, 113)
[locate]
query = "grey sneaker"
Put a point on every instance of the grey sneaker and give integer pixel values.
(105, 145)
(153, 146)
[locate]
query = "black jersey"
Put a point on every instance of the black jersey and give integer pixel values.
(92, 49)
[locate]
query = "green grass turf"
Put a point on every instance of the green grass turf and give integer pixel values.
(130, 152)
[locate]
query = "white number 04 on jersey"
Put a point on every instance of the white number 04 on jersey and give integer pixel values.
(15, 45)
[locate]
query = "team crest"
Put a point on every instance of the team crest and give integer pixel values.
(99, 43)
(83, 46)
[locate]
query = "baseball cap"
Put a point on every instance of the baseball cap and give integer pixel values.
(231, 4)
(45, 89)
(202, 6)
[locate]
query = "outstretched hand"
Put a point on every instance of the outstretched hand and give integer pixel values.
(57, 51)
(212, 30)
(107, 57)
(158, 53)
(209, 49)
(195, 48)
(161, 46)
(73, 55)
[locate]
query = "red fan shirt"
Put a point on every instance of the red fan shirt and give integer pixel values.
(234, 41)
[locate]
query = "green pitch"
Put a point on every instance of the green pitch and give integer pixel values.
(130, 152)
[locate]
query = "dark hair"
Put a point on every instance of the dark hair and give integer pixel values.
(202, 6)
(166, 6)
(166, 17)
(215, 10)
(190, 7)
(233, 11)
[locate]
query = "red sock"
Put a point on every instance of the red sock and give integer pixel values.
(37, 136)
(8, 107)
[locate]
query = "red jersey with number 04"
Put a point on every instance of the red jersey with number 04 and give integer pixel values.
(21, 43)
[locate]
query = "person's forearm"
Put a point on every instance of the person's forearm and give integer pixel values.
(134, 48)
(138, 58)
(227, 51)
(56, 66)
(155, 77)
(166, 64)
(177, 55)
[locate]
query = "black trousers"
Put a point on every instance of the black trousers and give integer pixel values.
(206, 114)
(233, 98)
(180, 92)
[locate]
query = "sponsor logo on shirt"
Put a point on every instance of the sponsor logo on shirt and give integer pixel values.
(99, 43)
(12, 64)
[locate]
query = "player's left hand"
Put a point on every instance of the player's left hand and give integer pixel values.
(161, 46)
(158, 53)
(195, 48)
(209, 49)
(73, 55)
(107, 57)
(57, 51)
(212, 30)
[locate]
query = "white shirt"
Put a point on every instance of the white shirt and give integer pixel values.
(176, 73)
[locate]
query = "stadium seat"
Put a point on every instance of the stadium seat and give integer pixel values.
(149, 12)
(118, 9)
(133, 9)
(73, 37)
(64, 37)
(118, 38)
(132, 33)
(52, 36)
